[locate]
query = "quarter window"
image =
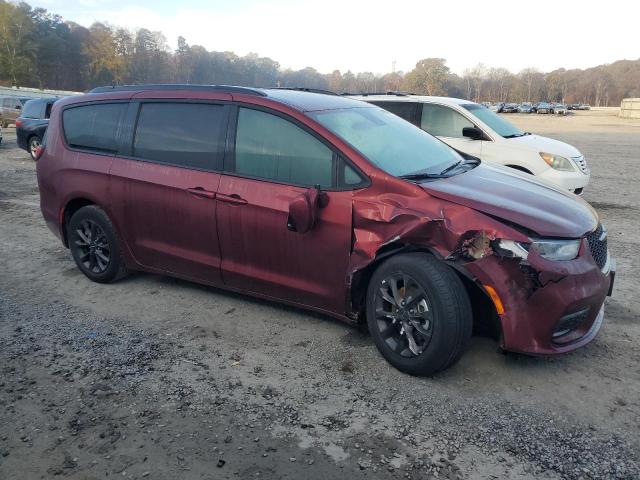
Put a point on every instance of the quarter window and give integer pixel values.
(270, 147)
(93, 127)
(351, 177)
(443, 121)
(184, 134)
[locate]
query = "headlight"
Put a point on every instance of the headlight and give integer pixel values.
(557, 249)
(557, 162)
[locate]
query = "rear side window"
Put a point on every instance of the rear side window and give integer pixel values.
(183, 134)
(272, 148)
(442, 121)
(33, 109)
(406, 110)
(93, 127)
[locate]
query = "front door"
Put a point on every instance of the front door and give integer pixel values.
(276, 160)
(164, 190)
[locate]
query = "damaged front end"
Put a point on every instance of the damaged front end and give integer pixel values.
(547, 294)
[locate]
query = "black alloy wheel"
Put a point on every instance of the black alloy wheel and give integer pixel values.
(403, 315)
(92, 246)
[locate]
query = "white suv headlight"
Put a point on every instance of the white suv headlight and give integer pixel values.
(557, 249)
(557, 162)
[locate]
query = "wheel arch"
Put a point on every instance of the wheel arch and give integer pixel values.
(71, 207)
(31, 135)
(486, 321)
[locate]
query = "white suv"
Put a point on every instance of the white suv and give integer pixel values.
(476, 130)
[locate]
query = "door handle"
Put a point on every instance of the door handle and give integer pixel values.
(234, 199)
(201, 192)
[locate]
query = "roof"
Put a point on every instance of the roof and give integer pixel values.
(305, 100)
(309, 102)
(411, 98)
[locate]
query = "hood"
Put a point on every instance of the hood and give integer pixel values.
(544, 144)
(518, 198)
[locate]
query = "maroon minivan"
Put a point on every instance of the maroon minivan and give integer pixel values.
(326, 203)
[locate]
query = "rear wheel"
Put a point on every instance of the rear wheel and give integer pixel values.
(419, 313)
(95, 246)
(34, 143)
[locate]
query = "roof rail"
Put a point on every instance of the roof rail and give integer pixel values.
(305, 89)
(365, 94)
(169, 86)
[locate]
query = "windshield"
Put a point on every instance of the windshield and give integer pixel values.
(494, 121)
(391, 143)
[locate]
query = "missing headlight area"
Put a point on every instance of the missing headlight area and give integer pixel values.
(474, 245)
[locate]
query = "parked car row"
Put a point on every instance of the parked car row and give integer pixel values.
(335, 205)
(579, 106)
(539, 107)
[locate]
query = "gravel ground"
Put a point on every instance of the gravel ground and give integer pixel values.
(159, 378)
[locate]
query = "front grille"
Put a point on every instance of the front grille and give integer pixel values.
(598, 245)
(582, 164)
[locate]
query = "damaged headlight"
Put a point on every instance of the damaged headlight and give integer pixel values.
(557, 249)
(557, 162)
(549, 249)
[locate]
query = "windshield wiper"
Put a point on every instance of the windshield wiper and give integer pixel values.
(514, 135)
(419, 176)
(425, 175)
(451, 167)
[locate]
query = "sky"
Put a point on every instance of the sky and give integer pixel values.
(370, 36)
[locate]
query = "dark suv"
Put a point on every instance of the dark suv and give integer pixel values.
(327, 203)
(32, 124)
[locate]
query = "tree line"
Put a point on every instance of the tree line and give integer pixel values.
(40, 49)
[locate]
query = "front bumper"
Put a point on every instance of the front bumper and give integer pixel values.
(549, 307)
(568, 180)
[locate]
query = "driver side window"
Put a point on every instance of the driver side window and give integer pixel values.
(272, 148)
(442, 121)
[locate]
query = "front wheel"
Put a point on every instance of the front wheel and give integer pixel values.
(418, 313)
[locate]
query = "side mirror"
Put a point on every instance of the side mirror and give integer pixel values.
(473, 133)
(18, 107)
(305, 208)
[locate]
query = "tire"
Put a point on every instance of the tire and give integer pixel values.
(92, 238)
(32, 144)
(448, 314)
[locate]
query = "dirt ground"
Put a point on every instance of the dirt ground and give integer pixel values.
(158, 378)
